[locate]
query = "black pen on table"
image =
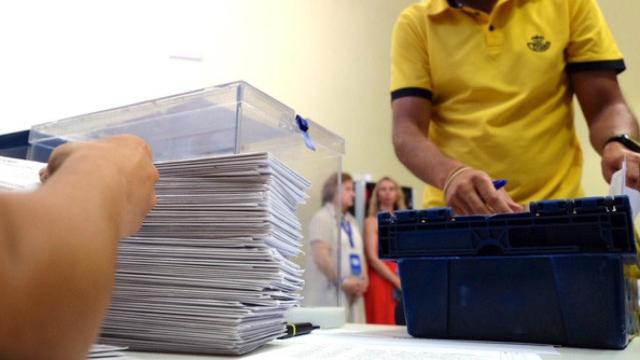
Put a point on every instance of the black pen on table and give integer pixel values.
(298, 329)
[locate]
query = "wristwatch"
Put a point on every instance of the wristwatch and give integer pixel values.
(625, 140)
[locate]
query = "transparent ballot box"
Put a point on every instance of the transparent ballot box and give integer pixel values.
(232, 118)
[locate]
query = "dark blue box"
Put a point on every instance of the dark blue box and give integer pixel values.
(559, 274)
(15, 145)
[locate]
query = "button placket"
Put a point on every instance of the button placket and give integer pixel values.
(494, 38)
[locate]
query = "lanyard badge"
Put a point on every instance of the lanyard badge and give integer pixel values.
(356, 266)
(354, 259)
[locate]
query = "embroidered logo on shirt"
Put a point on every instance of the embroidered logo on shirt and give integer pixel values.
(538, 43)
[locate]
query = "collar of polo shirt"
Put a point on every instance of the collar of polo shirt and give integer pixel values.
(438, 6)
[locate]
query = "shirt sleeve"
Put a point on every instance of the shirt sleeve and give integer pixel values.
(591, 44)
(322, 227)
(410, 71)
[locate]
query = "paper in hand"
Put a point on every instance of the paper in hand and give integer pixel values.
(19, 175)
(618, 186)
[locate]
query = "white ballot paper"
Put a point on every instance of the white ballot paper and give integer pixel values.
(19, 175)
(210, 270)
(107, 352)
(619, 187)
(379, 343)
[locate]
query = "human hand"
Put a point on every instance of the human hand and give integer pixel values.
(613, 155)
(350, 286)
(123, 160)
(470, 191)
(354, 286)
(363, 285)
(397, 283)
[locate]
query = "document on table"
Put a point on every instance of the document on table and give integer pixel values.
(396, 344)
(19, 175)
(619, 187)
(395, 352)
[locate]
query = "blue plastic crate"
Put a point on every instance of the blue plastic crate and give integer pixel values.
(559, 274)
(587, 225)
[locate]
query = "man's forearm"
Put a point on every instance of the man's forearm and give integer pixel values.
(603, 106)
(419, 155)
(615, 119)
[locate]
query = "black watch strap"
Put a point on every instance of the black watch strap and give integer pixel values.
(627, 141)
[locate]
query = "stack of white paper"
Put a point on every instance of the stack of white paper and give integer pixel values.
(209, 272)
(107, 352)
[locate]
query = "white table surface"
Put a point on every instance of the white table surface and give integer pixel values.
(388, 337)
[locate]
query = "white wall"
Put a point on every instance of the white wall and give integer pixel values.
(328, 59)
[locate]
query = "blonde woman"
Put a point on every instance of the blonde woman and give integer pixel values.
(380, 303)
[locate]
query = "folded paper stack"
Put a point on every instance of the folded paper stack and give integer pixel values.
(210, 271)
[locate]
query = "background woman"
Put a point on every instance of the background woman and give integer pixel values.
(380, 303)
(323, 282)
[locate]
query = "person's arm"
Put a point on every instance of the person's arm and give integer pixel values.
(58, 246)
(470, 191)
(323, 257)
(411, 116)
(365, 273)
(607, 115)
(363, 279)
(371, 250)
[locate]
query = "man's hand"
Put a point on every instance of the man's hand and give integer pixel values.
(613, 154)
(472, 192)
(127, 159)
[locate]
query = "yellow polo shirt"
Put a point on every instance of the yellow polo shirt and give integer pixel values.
(499, 86)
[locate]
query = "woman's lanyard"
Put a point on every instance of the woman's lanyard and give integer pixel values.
(354, 259)
(346, 226)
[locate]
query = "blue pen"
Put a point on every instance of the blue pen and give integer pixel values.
(500, 183)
